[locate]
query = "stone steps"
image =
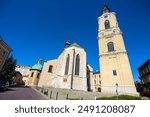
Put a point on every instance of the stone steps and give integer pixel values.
(63, 94)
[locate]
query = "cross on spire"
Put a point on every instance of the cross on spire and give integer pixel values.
(105, 9)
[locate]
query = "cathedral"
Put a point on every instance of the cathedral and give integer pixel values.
(71, 71)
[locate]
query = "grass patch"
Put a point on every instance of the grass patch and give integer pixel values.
(120, 97)
(74, 99)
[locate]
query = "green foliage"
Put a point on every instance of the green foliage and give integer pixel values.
(8, 69)
(121, 97)
(74, 99)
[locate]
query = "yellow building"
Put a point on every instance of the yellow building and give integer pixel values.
(4, 52)
(116, 74)
(97, 79)
(34, 74)
(24, 70)
(18, 79)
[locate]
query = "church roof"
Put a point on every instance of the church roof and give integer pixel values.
(76, 45)
(37, 67)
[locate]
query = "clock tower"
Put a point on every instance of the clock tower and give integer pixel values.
(116, 74)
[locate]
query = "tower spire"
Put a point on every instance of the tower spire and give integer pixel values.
(67, 43)
(105, 9)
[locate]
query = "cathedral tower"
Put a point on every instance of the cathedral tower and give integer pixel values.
(116, 74)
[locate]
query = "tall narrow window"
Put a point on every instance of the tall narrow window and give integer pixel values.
(107, 24)
(67, 64)
(77, 65)
(50, 69)
(110, 46)
(38, 75)
(32, 74)
(4, 53)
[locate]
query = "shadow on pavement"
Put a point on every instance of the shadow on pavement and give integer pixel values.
(9, 89)
(20, 86)
(12, 88)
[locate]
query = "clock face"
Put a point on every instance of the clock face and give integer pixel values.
(106, 17)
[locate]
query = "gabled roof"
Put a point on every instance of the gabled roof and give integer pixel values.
(76, 45)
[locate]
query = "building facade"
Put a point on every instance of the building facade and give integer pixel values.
(97, 79)
(69, 71)
(4, 52)
(115, 68)
(24, 71)
(18, 79)
(144, 72)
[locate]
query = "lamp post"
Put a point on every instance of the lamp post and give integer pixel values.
(117, 90)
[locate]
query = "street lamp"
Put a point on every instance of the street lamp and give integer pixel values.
(117, 90)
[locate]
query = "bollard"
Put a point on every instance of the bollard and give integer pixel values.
(51, 94)
(67, 97)
(41, 90)
(46, 92)
(57, 96)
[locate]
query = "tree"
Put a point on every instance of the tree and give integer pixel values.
(8, 69)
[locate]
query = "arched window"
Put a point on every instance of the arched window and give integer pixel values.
(77, 65)
(110, 46)
(67, 64)
(107, 24)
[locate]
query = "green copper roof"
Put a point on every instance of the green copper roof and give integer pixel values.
(76, 45)
(37, 67)
(68, 41)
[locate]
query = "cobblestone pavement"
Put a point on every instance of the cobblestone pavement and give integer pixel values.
(21, 93)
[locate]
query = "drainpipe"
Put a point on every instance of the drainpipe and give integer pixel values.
(72, 69)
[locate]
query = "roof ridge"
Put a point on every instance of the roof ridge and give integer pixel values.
(76, 45)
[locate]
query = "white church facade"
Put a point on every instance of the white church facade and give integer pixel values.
(69, 71)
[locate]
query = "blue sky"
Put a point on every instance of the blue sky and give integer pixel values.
(39, 28)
